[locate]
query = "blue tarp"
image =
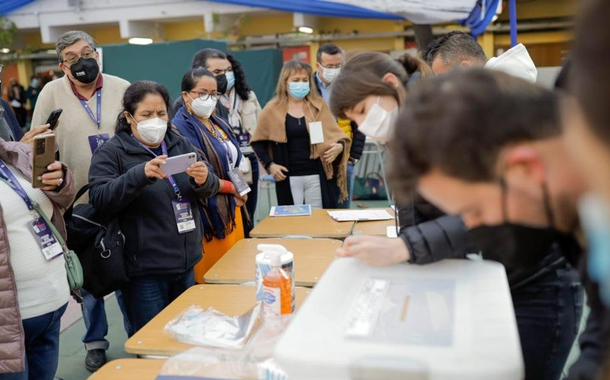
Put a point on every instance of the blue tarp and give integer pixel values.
(7, 6)
(315, 7)
(481, 16)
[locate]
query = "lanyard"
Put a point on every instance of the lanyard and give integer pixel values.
(97, 120)
(218, 136)
(9, 177)
(171, 179)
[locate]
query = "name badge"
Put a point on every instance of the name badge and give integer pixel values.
(239, 181)
(184, 215)
(96, 141)
(316, 135)
(44, 237)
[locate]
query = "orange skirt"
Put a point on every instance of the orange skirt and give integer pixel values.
(214, 249)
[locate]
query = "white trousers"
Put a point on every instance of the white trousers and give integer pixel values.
(306, 190)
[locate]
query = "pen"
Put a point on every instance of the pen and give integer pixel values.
(351, 231)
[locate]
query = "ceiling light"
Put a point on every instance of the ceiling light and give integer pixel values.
(140, 41)
(5, 50)
(305, 29)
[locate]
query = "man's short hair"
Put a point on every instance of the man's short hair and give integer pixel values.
(460, 122)
(329, 49)
(200, 58)
(454, 47)
(70, 38)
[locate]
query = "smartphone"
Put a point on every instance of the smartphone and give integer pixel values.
(54, 118)
(178, 164)
(44, 155)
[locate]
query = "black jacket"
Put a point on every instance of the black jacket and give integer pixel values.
(144, 206)
(358, 140)
(430, 235)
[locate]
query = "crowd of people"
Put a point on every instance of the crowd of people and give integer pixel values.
(482, 162)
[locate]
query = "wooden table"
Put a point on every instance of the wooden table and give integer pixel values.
(129, 369)
(151, 340)
(376, 228)
(311, 258)
(317, 225)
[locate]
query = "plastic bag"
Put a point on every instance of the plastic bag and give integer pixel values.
(212, 328)
(250, 362)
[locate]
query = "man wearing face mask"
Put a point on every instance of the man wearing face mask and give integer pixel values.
(329, 60)
(90, 102)
(216, 62)
(517, 192)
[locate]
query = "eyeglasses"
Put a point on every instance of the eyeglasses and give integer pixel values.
(72, 58)
(205, 96)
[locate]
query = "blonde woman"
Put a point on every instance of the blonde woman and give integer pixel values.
(299, 142)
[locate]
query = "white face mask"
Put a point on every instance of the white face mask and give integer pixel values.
(378, 123)
(203, 108)
(152, 131)
(330, 74)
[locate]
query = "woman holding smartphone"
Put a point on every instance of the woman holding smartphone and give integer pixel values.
(213, 138)
(158, 214)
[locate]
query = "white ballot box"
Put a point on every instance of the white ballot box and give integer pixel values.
(450, 320)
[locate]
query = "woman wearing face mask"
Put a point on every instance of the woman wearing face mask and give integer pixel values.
(244, 109)
(158, 214)
(369, 90)
(223, 216)
(300, 144)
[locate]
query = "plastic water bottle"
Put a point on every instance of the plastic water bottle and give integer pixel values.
(277, 289)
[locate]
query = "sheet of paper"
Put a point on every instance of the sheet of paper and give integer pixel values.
(359, 215)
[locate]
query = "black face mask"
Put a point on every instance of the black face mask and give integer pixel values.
(222, 83)
(85, 70)
(518, 245)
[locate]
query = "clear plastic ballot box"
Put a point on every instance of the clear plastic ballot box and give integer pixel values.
(450, 320)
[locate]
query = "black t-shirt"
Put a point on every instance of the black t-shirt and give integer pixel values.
(299, 163)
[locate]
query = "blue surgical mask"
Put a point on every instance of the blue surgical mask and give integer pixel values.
(298, 90)
(230, 80)
(595, 219)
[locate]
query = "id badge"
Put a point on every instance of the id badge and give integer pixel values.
(244, 139)
(239, 181)
(44, 237)
(184, 215)
(96, 141)
(316, 135)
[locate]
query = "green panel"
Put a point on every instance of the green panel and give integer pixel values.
(262, 68)
(164, 63)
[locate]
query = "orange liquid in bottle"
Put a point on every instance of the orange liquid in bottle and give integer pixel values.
(278, 283)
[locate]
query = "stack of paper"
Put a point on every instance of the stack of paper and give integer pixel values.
(359, 215)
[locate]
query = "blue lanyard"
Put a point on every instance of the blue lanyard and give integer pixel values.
(98, 121)
(171, 179)
(7, 175)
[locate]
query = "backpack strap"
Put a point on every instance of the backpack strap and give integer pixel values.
(81, 192)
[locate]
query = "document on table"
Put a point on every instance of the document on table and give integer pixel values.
(359, 215)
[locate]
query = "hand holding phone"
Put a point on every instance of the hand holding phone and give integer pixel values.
(54, 118)
(44, 155)
(178, 164)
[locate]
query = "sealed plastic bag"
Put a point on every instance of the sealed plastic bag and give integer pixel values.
(249, 362)
(212, 328)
